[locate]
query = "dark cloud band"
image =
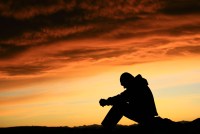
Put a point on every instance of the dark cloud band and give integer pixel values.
(28, 26)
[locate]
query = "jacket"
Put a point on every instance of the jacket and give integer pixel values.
(138, 96)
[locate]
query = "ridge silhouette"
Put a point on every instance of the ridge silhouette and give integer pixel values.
(180, 127)
(136, 103)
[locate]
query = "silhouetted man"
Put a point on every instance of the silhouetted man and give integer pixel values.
(135, 103)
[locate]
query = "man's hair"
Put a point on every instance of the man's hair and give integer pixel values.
(126, 77)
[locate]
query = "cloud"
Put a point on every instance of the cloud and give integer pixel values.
(37, 37)
(8, 51)
(184, 50)
(25, 9)
(24, 69)
(181, 7)
(34, 16)
(28, 9)
(94, 53)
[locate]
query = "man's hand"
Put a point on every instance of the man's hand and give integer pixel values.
(102, 102)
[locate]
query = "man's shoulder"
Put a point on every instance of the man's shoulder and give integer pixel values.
(141, 80)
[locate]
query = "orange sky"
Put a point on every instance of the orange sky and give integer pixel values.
(57, 58)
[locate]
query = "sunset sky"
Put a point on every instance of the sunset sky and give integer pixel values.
(59, 57)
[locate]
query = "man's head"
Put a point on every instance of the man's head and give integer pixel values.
(126, 79)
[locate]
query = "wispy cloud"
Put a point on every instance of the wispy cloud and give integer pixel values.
(37, 37)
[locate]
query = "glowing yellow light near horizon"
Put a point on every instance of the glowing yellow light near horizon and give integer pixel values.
(75, 102)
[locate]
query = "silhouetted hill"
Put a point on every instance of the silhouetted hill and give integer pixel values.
(166, 127)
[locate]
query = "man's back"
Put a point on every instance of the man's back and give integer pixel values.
(143, 98)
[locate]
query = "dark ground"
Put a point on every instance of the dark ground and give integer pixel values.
(168, 127)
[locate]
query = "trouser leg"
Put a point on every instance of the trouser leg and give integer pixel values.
(112, 117)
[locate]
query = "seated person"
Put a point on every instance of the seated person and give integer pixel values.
(136, 102)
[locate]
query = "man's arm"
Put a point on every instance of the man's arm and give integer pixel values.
(114, 100)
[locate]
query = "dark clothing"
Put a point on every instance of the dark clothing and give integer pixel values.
(136, 103)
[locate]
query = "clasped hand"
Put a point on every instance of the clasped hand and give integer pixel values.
(102, 102)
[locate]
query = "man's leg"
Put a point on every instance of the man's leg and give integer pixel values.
(112, 117)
